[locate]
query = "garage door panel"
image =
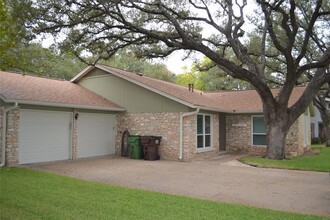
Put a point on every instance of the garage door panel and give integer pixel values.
(96, 135)
(44, 136)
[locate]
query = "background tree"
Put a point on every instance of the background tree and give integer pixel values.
(191, 76)
(206, 76)
(157, 28)
(13, 35)
(215, 79)
(18, 53)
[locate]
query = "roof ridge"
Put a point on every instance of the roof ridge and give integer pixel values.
(245, 90)
(149, 77)
(35, 75)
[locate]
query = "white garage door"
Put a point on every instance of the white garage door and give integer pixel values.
(44, 136)
(96, 134)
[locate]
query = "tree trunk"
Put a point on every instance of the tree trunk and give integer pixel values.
(276, 137)
(277, 126)
(327, 135)
(325, 115)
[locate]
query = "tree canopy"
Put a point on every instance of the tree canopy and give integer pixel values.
(127, 60)
(283, 31)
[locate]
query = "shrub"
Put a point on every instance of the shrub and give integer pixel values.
(316, 140)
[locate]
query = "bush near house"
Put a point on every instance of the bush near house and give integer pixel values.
(318, 140)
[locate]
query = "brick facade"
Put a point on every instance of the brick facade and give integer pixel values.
(239, 136)
(167, 126)
(12, 136)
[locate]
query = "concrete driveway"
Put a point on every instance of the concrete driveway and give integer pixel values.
(221, 179)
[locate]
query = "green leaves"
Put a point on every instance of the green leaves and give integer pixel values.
(127, 60)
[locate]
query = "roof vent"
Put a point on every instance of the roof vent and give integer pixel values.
(191, 87)
(137, 73)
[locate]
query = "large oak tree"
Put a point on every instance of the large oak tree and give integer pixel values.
(157, 28)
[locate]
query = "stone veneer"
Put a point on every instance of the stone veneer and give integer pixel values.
(74, 136)
(238, 136)
(167, 126)
(12, 136)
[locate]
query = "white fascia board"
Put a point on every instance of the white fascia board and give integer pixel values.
(82, 74)
(2, 98)
(249, 112)
(188, 104)
(65, 105)
(229, 111)
(214, 109)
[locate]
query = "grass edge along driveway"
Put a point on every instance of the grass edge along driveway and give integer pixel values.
(29, 194)
(319, 162)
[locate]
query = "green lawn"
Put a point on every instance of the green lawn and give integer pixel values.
(28, 194)
(320, 162)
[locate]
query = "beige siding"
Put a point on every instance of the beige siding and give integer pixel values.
(132, 97)
(96, 73)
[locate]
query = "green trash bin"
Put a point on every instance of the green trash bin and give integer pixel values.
(135, 146)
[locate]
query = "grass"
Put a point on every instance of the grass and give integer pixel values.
(320, 162)
(29, 194)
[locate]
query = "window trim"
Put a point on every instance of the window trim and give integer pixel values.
(203, 149)
(252, 133)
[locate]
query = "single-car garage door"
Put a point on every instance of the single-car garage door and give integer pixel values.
(96, 134)
(44, 136)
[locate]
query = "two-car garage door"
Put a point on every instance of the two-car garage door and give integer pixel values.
(47, 135)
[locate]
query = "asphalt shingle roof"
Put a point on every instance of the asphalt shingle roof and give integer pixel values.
(28, 89)
(224, 101)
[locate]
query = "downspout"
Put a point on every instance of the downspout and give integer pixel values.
(182, 115)
(4, 133)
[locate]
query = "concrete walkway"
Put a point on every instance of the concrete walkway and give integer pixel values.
(221, 179)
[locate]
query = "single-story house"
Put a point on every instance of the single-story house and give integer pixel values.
(47, 119)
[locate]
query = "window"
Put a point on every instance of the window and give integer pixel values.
(259, 131)
(204, 135)
(312, 130)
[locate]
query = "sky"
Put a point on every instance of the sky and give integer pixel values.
(175, 62)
